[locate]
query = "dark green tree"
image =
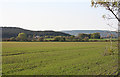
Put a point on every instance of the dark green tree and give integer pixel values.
(95, 35)
(83, 35)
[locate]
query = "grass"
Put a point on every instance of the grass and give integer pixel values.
(49, 39)
(57, 58)
(102, 39)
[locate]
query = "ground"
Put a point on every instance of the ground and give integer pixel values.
(58, 58)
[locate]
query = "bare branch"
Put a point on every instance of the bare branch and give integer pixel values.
(113, 13)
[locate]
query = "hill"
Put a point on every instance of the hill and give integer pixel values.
(103, 33)
(8, 32)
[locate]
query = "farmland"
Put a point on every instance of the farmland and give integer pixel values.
(58, 58)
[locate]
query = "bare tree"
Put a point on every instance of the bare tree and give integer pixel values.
(114, 7)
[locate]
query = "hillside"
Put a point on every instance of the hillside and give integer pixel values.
(103, 33)
(8, 32)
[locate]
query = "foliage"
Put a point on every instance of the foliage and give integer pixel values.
(40, 39)
(110, 51)
(12, 39)
(94, 38)
(22, 37)
(114, 7)
(95, 35)
(58, 38)
(111, 5)
(82, 35)
(86, 39)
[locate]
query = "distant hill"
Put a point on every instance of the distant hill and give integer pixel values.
(103, 33)
(8, 32)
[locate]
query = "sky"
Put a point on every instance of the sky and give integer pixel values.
(54, 15)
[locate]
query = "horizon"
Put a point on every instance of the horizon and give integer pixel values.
(55, 30)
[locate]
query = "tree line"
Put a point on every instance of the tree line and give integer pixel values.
(79, 38)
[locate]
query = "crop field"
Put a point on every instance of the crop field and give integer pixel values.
(58, 58)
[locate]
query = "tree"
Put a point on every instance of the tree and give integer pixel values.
(56, 38)
(77, 39)
(86, 39)
(29, 38)
(71, 38)
(82, 35)
(95, 35)
(21, 37)
(33, 39)
(112, 6)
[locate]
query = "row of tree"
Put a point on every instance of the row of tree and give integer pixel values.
(90, 36)
(80, 37)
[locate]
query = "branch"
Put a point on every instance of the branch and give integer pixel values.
(111, 18)
(113, 13)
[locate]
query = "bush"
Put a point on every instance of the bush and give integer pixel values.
(86, 39)
(12, 39)
(109, 51)
(56, 38)
(40, 39)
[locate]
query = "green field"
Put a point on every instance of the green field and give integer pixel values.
(58, 58)
(103, 39)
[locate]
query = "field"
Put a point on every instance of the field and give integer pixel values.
(58, 58)
(103, 39)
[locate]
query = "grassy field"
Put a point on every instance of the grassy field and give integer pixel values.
(102, 39)
(58, 58)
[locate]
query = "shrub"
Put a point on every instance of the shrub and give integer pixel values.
(40, 39)
(12, 39)
(86, 39)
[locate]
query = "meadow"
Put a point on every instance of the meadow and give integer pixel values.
(58, 58)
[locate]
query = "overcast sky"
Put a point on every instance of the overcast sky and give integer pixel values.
(53, 15)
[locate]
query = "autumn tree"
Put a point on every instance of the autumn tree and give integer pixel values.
(21, 37)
